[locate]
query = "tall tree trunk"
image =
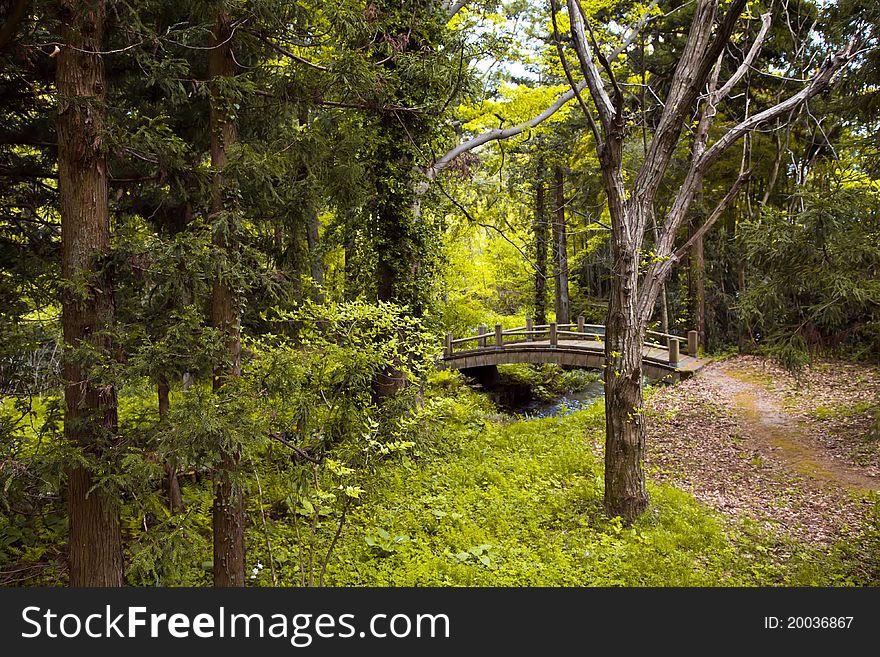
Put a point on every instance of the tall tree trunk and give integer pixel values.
(400, 239)
(350, 276)
(316, 261)
(228, 510)
(278, 245)
(312, 225)
(172, 484)
(697, 261)
(397, 256)
(700, 291)
(745, 331)
(560, 251)
(90, 419)
(540, 228)
(394, 258)
(625, 492)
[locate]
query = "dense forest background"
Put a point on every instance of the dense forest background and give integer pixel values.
(233, 234)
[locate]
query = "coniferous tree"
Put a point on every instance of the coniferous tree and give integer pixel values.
(90, 420)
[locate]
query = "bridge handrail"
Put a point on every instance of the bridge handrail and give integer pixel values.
(675, 345)
(523, 330)
(580, 334)
(655, 345)
(667, 335)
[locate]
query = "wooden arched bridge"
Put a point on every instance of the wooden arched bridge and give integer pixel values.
(576, 345)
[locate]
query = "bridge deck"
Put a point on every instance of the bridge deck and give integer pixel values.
(578, 353)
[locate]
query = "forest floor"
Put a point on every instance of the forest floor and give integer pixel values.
(756, 478)
(797, 454)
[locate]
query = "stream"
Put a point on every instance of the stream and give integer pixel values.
(563, 405)
(519, 399)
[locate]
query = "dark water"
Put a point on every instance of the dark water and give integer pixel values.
(563, 405)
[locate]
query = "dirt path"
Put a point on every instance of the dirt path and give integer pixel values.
(746, 441)
(772, 430)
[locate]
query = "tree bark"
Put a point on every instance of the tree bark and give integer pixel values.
(625, 492)
(90, 419)
(400, 239)
(560, 252)
(228, 514)
(349, 256)
(316, 261)
(700, 290)
(540, 229)
(312, 225)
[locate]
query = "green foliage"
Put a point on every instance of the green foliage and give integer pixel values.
(546, 381)
(303, 418)
(520, 505)
(337, 109)
(814, 280)
(33, 526)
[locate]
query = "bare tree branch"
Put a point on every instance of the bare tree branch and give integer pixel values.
(749, 60)
(714, 216)
(702, 161)
(287, 53)
(452, 8)
(633, 33)
(588, 67)
(497, 133)
(700, 54)
(658, 271)
(554, 8)
(493, 135)
(694, 178)
(831, 68)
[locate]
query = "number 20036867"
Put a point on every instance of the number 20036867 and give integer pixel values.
(808, 622)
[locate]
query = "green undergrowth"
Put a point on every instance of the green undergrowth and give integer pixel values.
(828, 412)
(519, 503)
(473, 497)
(546, 381)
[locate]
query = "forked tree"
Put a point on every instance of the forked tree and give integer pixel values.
(695, 89)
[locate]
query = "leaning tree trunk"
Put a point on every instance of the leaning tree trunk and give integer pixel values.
(560, 252)
(228, 516)
(90, 419)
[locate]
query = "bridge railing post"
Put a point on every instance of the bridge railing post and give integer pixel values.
(499, 336)
(553, 337)
(673, 351)
(529, 327)
(481, 331)
(448, 349)
(581, 321)
(693, 343)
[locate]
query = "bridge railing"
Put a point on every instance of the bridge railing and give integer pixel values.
(553, 332)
